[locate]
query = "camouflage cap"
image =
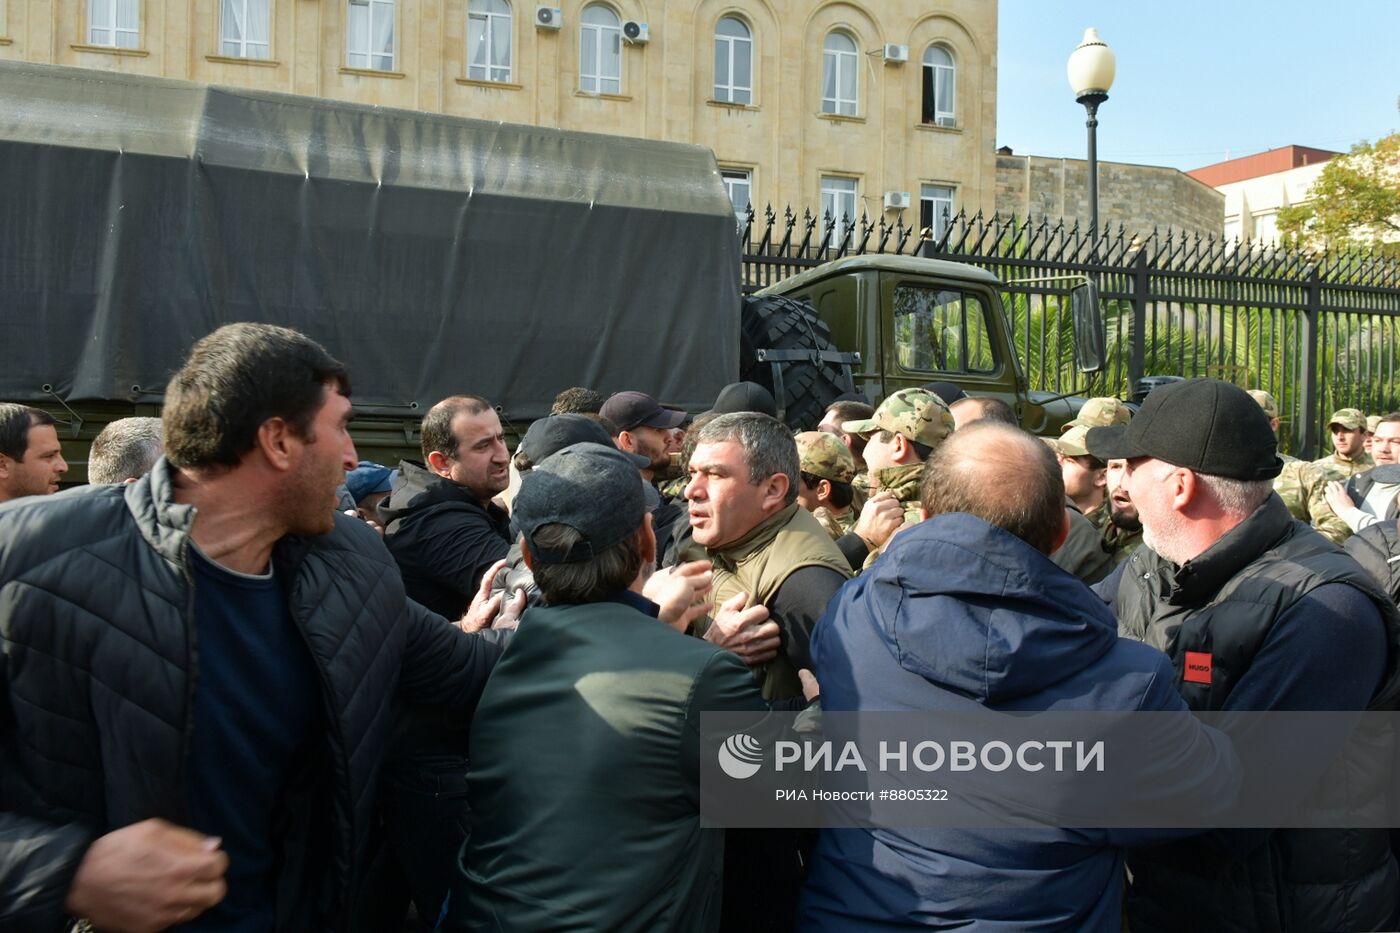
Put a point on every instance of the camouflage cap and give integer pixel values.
(1266, 402)
(824, 456)
(1349, 418)
(1100, 413)
(917, 414)
(1071, 443)
(1371, 422)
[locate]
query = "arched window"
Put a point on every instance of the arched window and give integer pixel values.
(733, 61)
(840, 77)
(488, 40)
(940, 87)
(600, 51)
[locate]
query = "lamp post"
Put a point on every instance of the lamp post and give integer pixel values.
(1091, 69)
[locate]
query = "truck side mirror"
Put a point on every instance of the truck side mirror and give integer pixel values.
(1088, 327)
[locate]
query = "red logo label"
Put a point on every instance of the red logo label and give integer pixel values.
(1197, 667)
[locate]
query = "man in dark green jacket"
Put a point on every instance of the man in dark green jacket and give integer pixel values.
(585, 748)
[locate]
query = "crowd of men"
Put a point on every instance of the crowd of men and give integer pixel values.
(249, 682)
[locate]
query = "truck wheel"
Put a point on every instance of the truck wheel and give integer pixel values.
(777, 323)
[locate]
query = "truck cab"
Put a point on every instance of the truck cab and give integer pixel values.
(915, 320)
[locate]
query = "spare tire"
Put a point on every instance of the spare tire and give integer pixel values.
(777, 323)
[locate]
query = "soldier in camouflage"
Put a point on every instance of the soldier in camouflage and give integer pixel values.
(1085, 476)
(1348, 429)
(1099, 412)
(1371, 422)
(826, 468)
(1123, 533)
(1301, 485)
(904, 430)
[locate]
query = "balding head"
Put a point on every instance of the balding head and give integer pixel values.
(1002, 475)
(972, 409)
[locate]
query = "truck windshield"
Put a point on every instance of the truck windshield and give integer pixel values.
(941, 330)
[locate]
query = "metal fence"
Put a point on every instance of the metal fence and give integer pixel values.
(1316, 329)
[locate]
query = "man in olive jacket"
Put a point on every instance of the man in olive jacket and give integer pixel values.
(196, 668)
(585, 747)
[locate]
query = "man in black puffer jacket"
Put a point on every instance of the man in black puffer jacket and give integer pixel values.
(1257, 612)
(196, 669)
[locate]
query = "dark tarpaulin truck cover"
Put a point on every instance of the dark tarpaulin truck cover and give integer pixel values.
(433, 255)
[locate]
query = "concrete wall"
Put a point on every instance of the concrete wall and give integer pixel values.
(1139, 197)
(667, 85)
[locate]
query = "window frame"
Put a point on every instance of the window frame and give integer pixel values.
(244, 42)
(115, 31)
(930, 113)
(837, 191)
(730, 93)
(600, 35)
(831, 64)
(489, 71)
(934, 200)
(734, 174)
(368, 52)
(986, 342)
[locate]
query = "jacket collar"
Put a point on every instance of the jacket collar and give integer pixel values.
(1201, 577)
(756, 540)
(900, 481)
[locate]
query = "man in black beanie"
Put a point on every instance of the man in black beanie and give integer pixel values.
(1257, 612)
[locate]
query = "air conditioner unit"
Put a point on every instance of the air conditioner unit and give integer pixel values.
(896, 53)
(636, 33)
(896, 200)
(549, 17)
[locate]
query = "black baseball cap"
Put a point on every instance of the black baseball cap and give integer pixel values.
(1205, 425)
(632, 410)
(550, 435)
(745, 396)
(950, 392)
(594, 489)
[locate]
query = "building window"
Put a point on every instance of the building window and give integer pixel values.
(115, 23)
(840, 81)
(935, 209)
(488, 40)
(243, 29)
(839, 202)
(1266, 227)
(600, 51)
(370, 37)
(738, 184)
(733, 62)
(940, 87)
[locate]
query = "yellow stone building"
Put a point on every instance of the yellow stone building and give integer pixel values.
(854, 107)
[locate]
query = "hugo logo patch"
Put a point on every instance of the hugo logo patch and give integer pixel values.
(1197, 667)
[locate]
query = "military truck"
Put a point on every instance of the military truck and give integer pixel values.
(434, 255)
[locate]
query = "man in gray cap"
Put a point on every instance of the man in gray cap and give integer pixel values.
(587, 729)
(1257, 612)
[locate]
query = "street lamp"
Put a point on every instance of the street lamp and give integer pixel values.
(1091, 69)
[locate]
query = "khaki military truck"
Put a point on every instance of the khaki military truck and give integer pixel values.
(434, 255)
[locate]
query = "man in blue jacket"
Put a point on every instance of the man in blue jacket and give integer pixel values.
(985, 620)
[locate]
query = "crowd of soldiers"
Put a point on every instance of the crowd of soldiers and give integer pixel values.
(250, 682)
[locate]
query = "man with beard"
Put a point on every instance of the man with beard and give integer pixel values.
(645, 427)
(1123, 533)
(1370, 497)
(31, 459)
(1257, 612)
(199, 666)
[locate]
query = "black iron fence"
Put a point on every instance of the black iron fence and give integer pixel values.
(1316, 329)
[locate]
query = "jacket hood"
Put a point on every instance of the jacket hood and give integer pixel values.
(974, 609)
(417, 487)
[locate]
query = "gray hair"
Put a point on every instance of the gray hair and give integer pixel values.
(589, 581)
(125, 449)
(767, 444)
(1239, 497)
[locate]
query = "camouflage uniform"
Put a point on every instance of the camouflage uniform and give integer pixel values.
(1100, 412)
(917, 415)
(1302, 486)
(1339, 468)
(824, 456)
(1120, 542)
